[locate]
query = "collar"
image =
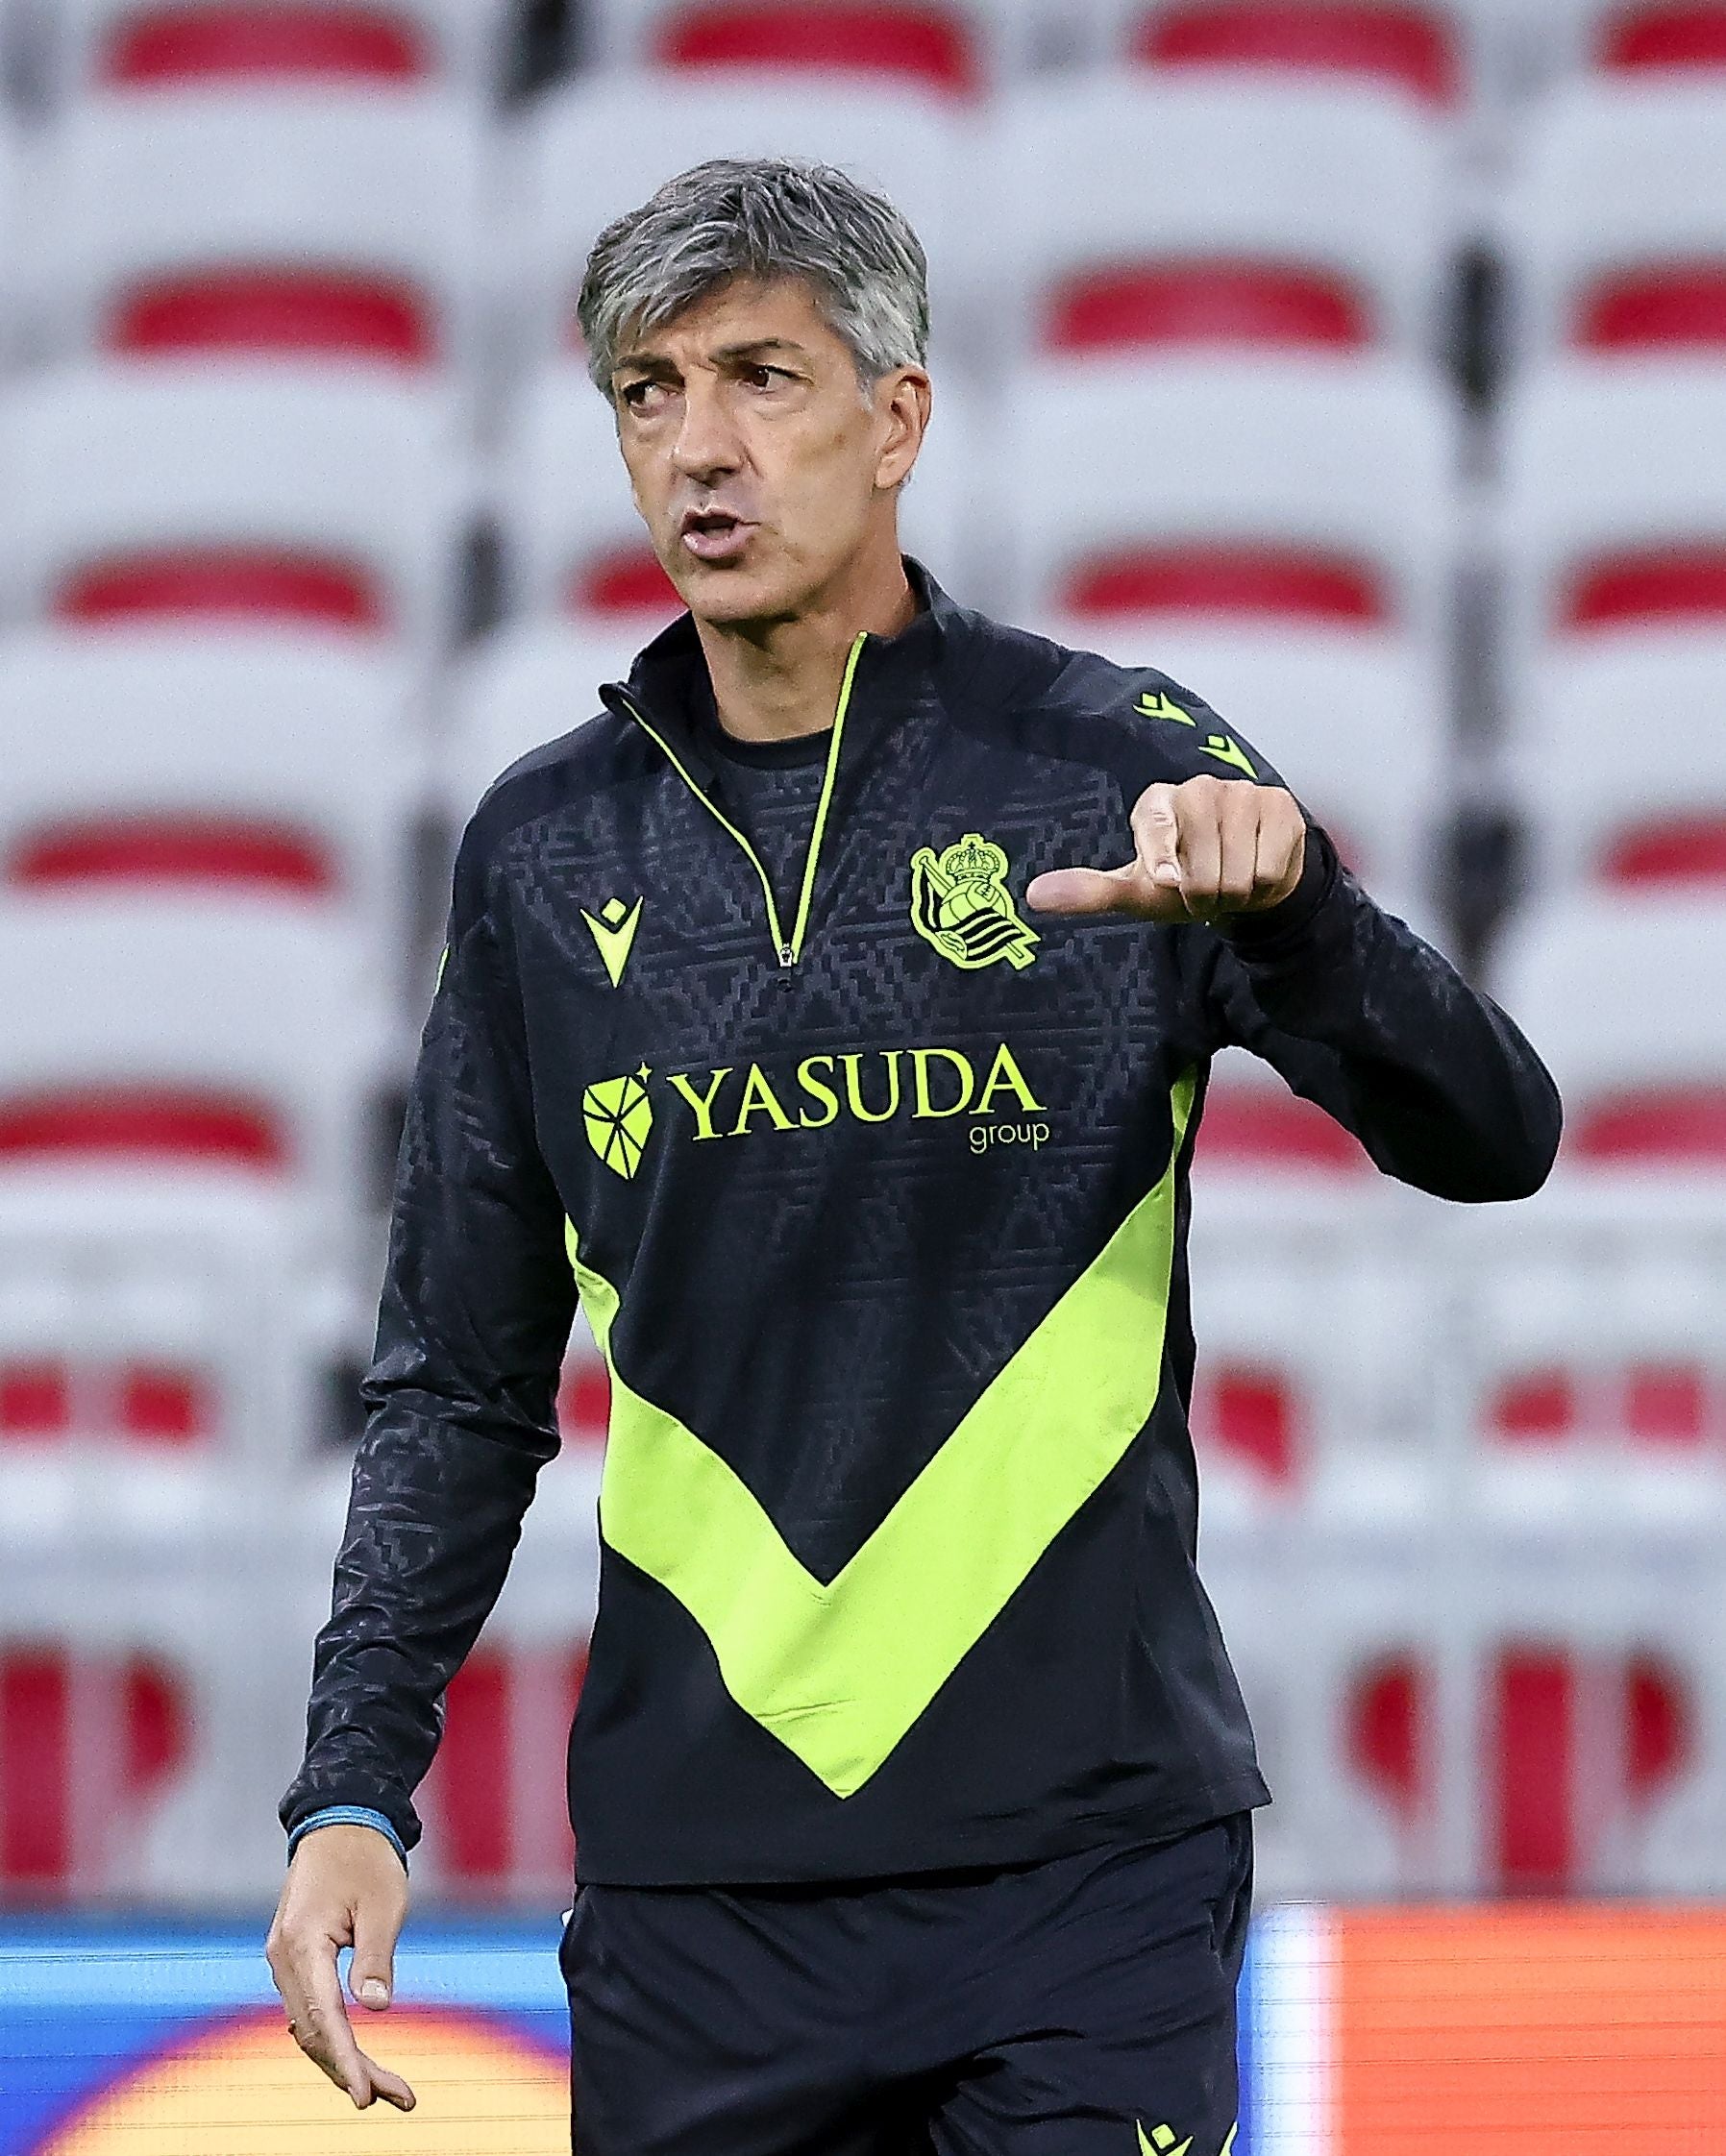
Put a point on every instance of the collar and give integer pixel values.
(668, 680)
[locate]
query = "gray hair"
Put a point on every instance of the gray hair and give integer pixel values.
(761, 217)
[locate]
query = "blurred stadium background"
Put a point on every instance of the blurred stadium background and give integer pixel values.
(1360, 363)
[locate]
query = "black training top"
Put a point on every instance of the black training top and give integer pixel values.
(875, 1189)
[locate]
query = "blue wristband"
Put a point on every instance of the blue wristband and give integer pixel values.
(348, 1815)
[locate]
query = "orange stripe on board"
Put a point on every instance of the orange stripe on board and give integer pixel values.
(1538, 2031)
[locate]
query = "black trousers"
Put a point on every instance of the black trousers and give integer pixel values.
(1084, 2006)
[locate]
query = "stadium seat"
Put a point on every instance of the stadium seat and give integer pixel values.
(145, 1327)
(188, 493)
(1659, 36)
(494, 1804)
(1594, 1371)
(1624, 993)
(1597, 816)
(130, 45)
(576, 545)
(1416, 49)
(237, 1042)
(1354, 723)
(1308, 1393)
(955, 47)
(527, 684)
(598, 147)
(148, 761)
(1612, 520)
(1247, 492)
(143, 1651)
(1615, 230)
(1134, 212)
(323, 225)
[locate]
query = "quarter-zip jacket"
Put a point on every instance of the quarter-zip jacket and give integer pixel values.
(877, 1204)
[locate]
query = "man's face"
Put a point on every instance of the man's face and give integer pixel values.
(760, 466)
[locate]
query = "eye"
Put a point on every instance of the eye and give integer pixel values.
(637, 395)
(760, 375)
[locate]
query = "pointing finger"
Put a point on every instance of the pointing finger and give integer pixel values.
(1081, 890)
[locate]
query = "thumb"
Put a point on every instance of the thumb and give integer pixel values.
(1081, 890)
(1156, 830)
(371, 1974)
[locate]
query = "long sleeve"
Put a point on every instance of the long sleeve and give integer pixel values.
(474, 1319)
(1360, 1015)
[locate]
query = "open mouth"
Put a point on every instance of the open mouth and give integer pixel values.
(714, 534)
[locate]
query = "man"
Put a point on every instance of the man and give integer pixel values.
(834, 1015)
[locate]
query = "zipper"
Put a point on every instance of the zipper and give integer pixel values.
(787, 949)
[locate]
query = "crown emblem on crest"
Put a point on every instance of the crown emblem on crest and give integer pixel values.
(960, 903)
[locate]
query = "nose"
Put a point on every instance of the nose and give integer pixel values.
(707, 448)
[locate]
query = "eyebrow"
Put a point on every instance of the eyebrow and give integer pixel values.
(655, 363)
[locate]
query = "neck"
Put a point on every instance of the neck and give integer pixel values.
(775, 681)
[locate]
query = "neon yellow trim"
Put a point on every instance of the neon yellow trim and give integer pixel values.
(788, 952)
(808, 894)
(839, 1671)
(718, 815)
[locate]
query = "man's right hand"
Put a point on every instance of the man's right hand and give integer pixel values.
(345, 1887)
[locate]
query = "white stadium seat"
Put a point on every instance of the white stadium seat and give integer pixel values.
(150, 761)
(526, 685)
(588, 153)
(1616, 228)
(1355, 723)
(127, 45)
(1599, 815)
(235, 493)
(1624, 994)
(1247, 491)
(236, 1041)
(1613, 515)
(575, 543)
(317, 224)
(1138, 210)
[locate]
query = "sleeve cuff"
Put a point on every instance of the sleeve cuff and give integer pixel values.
(1262, 935)
(348, 1815)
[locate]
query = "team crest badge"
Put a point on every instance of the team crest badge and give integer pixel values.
(961, 904)
(619, 1116)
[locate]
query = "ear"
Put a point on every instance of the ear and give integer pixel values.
(903, 399)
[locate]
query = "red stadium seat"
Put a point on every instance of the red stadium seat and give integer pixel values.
(1389, 1740)
(1249, 1128)
(1537, 1844)
(1379, 39)
(146, 1404)
(321, 314)
(46, 1695)
(852, 37)
(1673, 306)
(158, 46)
(584, 1402)
(247, 583)
(1654, 37)
(1675, 583)
(35, 1400)
(145, 1124)
(498, 1818)
(1249, 1415)
(1204, 302)
(158, 849)
(1664, 1405)
(1678, 849)
(1663, 1126)
(628, 581)
(1263, 582)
